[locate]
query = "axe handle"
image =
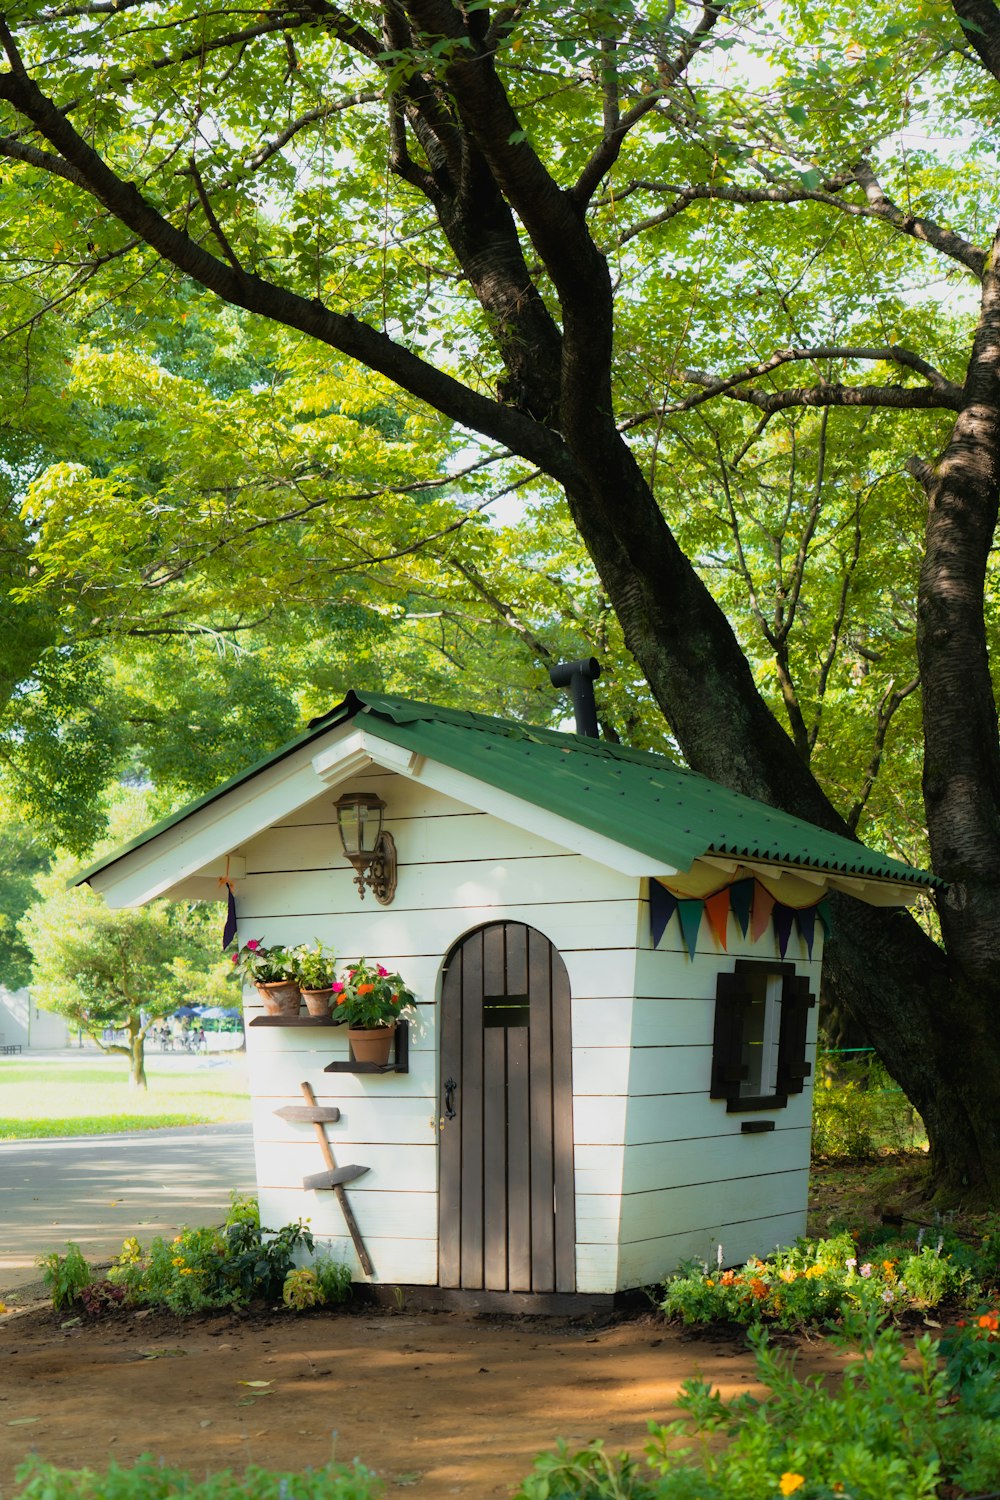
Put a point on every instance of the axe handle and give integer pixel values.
(345, 1207)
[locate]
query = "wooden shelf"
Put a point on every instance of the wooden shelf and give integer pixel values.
(295, 1021)
(400, 1061)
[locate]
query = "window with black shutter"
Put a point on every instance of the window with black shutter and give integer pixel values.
(761, 1023)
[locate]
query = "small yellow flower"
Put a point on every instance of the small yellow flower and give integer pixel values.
(178, 1260)
(788, 1274)
(186, 1271)
(789, 1483)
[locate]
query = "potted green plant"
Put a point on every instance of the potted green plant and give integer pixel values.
(371, 1000)
(314, 970)
(272, 971)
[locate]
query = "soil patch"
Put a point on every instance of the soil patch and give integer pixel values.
(438, 1404)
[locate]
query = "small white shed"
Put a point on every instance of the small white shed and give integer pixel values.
(616, 963)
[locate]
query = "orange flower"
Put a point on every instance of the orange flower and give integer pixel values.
(365, 989)
(990, 1321)
(341, 999)
(789, 1483)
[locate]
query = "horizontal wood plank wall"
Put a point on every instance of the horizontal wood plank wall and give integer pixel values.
(691, 1180)
(662, 1171)
(458, 868)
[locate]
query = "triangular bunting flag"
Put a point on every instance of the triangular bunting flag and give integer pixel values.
(690, 915)
(783, 918)
(662, 906)
(805, 921)
(229, 931)
(825, 916)
(740, 902)
(763, 905)
(717, 911)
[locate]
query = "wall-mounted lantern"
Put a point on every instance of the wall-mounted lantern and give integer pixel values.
(371, 851)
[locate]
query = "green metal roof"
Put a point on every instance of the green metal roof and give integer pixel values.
(638, 799)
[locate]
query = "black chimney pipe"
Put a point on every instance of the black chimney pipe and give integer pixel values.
(579, 677)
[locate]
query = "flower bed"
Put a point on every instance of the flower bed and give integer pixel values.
(815, 1281)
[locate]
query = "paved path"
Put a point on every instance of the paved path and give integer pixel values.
(97, 1190)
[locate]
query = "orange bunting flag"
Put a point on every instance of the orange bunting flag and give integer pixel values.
(717, 910)
(763, 905)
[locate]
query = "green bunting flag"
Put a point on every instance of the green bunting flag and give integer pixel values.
(740, 902)
(690, 915)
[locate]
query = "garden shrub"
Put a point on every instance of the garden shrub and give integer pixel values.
(334, 1277)
(859, 1112)
(210, 1268)
(150, 1479)
(815, 1281)
(65, 1275)
(325, 1283)
(302, 1290)
(892, 1430)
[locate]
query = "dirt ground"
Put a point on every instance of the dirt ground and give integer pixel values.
(438, 1404)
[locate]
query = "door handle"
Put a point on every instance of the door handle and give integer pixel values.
(449, 1098)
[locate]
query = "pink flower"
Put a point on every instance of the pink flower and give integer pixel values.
(337, 987)
(253, 944)
(236, 958)
(383, 973)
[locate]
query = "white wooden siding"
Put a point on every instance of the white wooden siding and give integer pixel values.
(641, 1263)
(686, 1162)
(657, 1162)
(458, 869)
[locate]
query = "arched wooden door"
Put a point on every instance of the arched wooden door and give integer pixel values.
(507, 1220)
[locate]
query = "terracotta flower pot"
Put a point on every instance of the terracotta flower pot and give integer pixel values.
(373, 1045)
(318, 1001)
(282, 998)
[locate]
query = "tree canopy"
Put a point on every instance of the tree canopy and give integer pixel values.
(714, 282)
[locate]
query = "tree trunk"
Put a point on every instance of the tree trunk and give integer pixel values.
(137, 1054)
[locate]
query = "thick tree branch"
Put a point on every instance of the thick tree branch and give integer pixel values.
(877, 206)
(980, 23)
(617, 127)
(949, 394)
(348, 334)
(553, 221)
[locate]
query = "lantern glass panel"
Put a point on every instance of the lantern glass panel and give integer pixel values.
(360, 822)
(369, 828)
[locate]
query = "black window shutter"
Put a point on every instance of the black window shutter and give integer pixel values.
(728, 1070)
(796, 1002)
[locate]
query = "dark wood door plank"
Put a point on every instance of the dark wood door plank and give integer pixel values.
(450, 1131)
(472, 1112)
(518, 1160)
(495, 1159)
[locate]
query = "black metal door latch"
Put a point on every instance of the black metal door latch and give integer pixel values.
(449, 1098)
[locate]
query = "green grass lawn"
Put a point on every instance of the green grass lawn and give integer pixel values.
(92, 1096)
